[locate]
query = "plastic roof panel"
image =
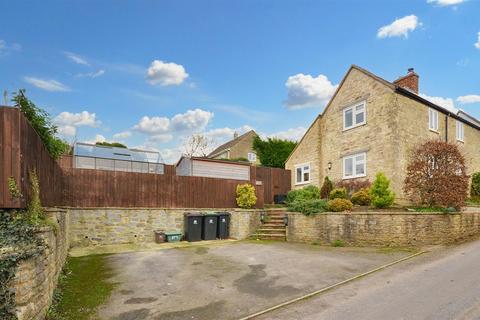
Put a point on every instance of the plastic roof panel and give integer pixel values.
(95, 151)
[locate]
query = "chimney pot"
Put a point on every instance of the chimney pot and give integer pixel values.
(409, 81)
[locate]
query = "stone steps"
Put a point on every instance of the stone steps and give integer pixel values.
(273, 228)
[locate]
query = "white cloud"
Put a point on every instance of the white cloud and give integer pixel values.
(96, 74)
(76, 58)
(444, 3)
(477, 44)
(306, 91)
(6, 48)
(161, 138)
(48, 85)
(471, 98)
(122, 135)
(293, 134)
(191, 121)
(153, 125)
(68, 122)
(399, 27)
(446, 103)
(194, 120)
(166, 73)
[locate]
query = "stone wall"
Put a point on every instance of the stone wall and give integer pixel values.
(382, 229)
(37, 277)
(105, 226)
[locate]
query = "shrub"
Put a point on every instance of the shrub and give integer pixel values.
(338, 193)
(382, 196)
(308, 207)
(246, 197)
(327, 187)
(307, 193)
(353, 185)
(338, 205)
(362, 197)
(436, 175)
(338, 243)
(475, 188)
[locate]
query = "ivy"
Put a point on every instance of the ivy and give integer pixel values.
(18, 241)
(13, 188)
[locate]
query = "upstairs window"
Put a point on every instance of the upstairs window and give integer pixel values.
(302, 173)
(252, 157)
(354, 116)
(460, 131)
(432, 119)
(355, 166)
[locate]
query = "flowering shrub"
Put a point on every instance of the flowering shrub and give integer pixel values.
(246, 197)
(338, 205)
(362, 197)
(436, 175)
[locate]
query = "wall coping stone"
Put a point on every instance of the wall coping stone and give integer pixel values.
(389, 213)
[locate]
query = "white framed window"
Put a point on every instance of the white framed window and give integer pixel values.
(355, 166)
(252, 157)
(432, 119)
(355, 115)
(302, 173)
(460, 131)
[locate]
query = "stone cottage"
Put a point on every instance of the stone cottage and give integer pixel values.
(371, 125)
(241, 146)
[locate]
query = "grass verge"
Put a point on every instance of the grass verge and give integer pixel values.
(82, 287)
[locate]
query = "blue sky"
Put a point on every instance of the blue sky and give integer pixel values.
(151, 73)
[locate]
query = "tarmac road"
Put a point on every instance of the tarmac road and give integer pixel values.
(442, 284)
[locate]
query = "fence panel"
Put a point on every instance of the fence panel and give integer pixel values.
(22, 150)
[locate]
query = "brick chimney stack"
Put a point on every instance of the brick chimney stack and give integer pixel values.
(410, 81)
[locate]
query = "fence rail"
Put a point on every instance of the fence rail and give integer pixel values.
(21, 150)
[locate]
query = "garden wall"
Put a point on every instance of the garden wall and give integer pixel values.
(384, 229)
(37, 277)
(105, 226)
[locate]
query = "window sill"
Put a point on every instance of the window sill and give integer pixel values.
(302, 183)
(355, 126)
(461, 141)
(354, 177)
(434, 131)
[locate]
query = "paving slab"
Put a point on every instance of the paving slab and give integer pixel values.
(230, 280)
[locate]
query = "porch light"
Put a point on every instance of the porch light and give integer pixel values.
(329, 165)
(285, 220)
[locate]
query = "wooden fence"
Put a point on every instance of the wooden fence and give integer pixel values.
(22, 150)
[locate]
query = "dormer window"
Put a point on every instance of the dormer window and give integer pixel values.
(355, 115)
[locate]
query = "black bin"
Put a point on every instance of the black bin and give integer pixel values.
(210, 222)
(279, 198)
(193, 226)
(223, 228)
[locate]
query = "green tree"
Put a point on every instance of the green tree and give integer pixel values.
(40, 120)
(273, 152)
(382, 196)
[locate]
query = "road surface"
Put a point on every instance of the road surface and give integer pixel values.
(442, 284)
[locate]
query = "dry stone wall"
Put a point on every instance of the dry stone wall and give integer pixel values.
(382, 229)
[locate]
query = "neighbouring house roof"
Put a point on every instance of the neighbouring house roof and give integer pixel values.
(229, 144)
(460, 115)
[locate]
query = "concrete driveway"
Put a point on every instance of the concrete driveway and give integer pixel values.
(228, 281)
